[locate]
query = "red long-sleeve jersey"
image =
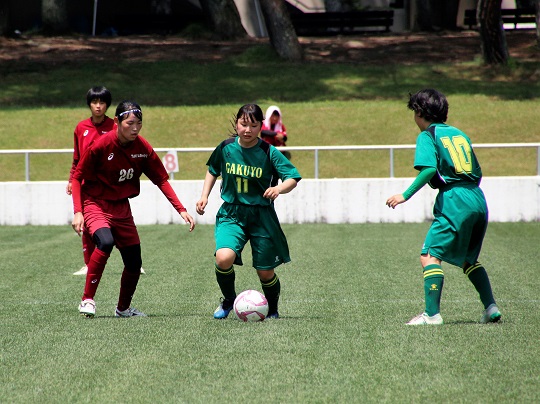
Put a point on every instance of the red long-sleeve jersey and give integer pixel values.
(85, 133)
(112, 172)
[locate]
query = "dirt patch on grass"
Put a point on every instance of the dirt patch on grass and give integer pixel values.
(377, 49)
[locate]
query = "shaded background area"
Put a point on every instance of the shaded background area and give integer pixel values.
(114, 17)
(177, 71)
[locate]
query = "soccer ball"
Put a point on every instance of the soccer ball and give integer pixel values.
(250, 305)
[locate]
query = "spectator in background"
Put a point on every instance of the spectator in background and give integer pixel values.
(273, 130)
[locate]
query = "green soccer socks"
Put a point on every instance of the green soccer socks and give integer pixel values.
(433, 285)
(479, 278)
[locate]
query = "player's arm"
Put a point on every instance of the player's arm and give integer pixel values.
(422, 179)
(74, 163)
(209, 182)
(283, 133)
(78, 219)
(284, 188)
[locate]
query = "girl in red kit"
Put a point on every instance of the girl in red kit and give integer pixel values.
(98, 100)
(111, 170)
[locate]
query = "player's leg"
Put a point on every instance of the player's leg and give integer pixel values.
(271, 287)
(131, 256)
(433, 283)
(479, 278)
(225, 275)
(438, 235)
(475, 271)
(473, 231)
(97, 224)
(87, 248)
(230, 241)
(270, 249)
(129, 244)
(104, 244)
(104, 241)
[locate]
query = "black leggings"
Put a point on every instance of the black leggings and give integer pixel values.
(131, 255)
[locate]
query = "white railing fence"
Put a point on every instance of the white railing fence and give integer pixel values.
(316, 149)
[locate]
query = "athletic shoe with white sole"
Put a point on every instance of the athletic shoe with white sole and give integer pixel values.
(424, 319)
(223, 309)
(142, 271)
(82, 271)
(131, 312)
(491, 314)
(87, 308)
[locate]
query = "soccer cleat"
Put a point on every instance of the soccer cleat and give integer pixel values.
(424, 319)
(82, 271)
(130, 312)
(224, 308)
(274, 315)
(491, 314)
(142, 271)
(87, 308)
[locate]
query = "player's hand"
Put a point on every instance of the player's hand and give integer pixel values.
(279, 136)
(201, 204)
(272, 193)
(395, 200)
(188, 219)
(68, 188)
(78, 223)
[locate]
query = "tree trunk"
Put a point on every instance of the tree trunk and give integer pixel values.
(4, 18)
(537, 8)
(281, 30)
(54, 17)
(224, 18)
(423, 17)
(449, 14)
(493, 39)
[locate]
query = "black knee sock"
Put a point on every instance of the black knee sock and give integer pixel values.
(272, 289)
(225, 279)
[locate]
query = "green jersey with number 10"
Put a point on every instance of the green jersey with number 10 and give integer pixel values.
(248, 172)
(449, 150)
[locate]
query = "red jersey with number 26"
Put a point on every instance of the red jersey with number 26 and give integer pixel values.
(112, 172)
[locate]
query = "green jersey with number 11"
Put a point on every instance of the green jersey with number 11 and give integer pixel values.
(248, 172)
(449, 150)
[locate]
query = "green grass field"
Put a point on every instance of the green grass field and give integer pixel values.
(341, 336)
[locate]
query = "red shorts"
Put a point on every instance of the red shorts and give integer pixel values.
(115, 215)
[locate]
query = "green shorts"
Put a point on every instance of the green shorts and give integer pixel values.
(459, 226)
(238, 224)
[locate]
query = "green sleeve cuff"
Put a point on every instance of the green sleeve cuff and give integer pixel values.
(422, 179)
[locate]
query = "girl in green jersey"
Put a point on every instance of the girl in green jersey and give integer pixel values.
(249, 168)
(445, 159)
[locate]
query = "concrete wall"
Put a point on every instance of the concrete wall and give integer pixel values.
(510, 199)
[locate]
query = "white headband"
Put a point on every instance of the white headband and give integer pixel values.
(127, 112)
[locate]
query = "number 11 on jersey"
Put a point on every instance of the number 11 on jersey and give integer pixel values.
(242, 185)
